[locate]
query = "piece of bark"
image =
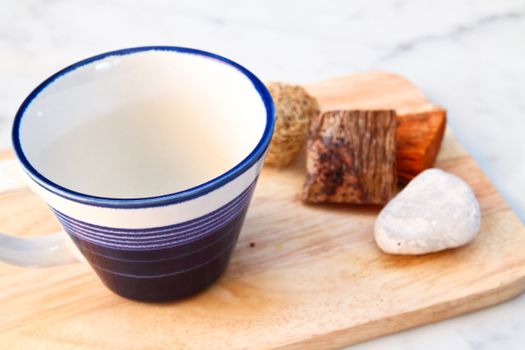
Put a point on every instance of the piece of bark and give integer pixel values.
(351, 157)
(418, 137)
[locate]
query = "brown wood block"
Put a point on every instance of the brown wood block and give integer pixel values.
(351, 157)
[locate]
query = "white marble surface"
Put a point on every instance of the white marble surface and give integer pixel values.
(468, 56)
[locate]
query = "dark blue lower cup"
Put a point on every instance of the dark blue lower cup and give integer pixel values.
(180, 261)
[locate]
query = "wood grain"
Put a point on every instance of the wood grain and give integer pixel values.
(419, 138)
(302, 276)
(351, 157)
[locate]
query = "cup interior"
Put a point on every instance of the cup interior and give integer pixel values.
(142, 124)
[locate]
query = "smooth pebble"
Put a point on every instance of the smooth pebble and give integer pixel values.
(435, 211)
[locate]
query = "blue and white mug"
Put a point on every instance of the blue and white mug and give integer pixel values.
(148, 157)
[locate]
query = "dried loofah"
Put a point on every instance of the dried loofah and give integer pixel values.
(293, 110)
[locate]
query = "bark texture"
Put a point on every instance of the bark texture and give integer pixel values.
(351, 157)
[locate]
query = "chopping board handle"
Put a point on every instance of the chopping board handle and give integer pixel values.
(51, 250)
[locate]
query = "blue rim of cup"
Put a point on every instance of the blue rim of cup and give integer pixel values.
(147, 202)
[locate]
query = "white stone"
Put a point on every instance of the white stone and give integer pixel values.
(435, 211)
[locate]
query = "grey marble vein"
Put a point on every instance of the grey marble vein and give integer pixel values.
(452, 34)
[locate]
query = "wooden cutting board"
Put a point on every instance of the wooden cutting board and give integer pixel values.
(302, 277)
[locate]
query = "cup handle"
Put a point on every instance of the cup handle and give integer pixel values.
(50, 250)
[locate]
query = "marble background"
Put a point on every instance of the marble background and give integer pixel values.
(468, 56)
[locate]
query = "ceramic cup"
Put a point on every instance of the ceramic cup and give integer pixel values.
(114, 199)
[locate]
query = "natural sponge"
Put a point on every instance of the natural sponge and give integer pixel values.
(293, 110)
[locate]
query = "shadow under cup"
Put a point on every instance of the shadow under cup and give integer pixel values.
(149, 243)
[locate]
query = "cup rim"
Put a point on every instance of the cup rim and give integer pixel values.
(156, 201)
